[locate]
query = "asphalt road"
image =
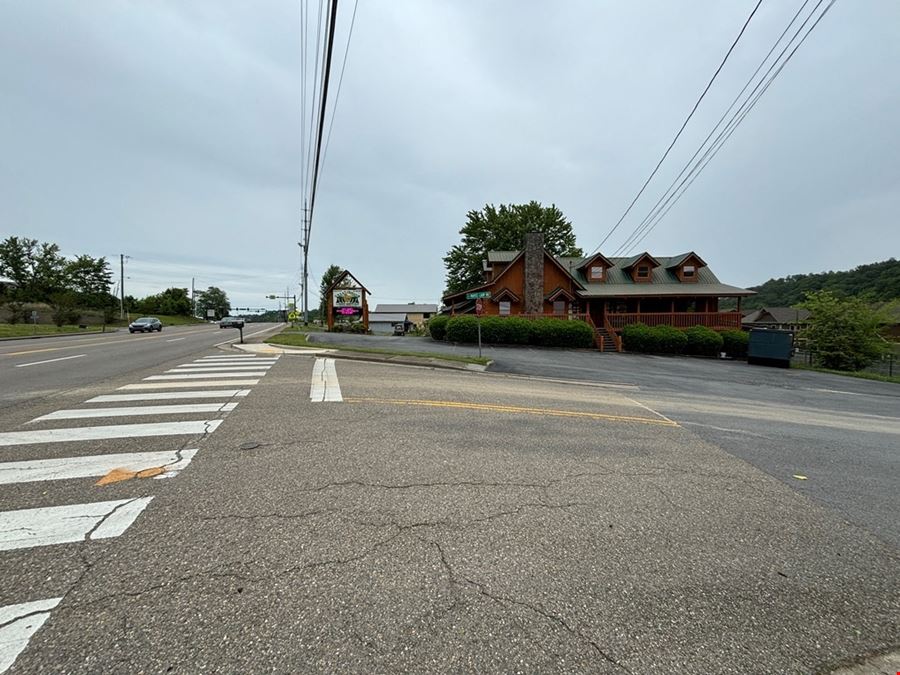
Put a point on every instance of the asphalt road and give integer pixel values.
(841, 433)
(328, 515)
(47, 366)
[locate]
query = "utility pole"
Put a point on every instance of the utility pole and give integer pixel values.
(305, 247)
(121, 286)
(193, 303)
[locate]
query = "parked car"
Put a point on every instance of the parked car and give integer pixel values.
(231, 322)
(399, 329)
(145, 324)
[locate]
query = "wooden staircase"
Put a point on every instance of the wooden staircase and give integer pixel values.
(605, 341)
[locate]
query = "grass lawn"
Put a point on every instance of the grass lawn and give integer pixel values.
(861, 374)
(297, 338)
(25, 329)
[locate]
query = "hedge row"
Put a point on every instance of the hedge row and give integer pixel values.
(512, 331)
(698, 340)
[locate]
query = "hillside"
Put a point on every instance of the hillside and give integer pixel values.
(876, 281)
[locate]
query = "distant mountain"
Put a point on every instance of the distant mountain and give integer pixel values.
(878, 282)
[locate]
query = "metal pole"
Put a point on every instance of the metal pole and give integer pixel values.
(305, 265)
(193, 302)
(121, 286)
(479, 337)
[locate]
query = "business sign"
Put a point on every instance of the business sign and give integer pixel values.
(347, 297)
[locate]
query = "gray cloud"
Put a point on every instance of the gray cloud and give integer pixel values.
(170, 131)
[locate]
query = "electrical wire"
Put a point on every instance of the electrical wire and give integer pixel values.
(337, 95)
(683, 125)
(659, 203)
(735, 122)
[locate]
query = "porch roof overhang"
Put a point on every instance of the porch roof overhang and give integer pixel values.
(505, 293)
(663, 291)
(557, 292)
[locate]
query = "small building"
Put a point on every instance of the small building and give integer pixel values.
(416, 314)
(383, 323)
(780, 318)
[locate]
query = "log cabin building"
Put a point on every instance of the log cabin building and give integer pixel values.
(609, 293)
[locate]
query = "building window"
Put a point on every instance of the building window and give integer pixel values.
(504, 307)
(688, 271)
(559, 306)
(597, 272)
(643, 272)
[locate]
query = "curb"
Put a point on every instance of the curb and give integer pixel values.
(267, 348)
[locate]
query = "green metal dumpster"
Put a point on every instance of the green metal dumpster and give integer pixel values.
(768, 347)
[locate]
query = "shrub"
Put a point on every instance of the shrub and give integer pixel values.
(735, 343)
(703, 341)
(561, 333)
(670, 340)
(437, 326)
(636, 338)
(517, 331)
(462, 328)
(356, 327)
(656, 340)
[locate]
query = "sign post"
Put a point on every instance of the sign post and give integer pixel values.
(478, 297)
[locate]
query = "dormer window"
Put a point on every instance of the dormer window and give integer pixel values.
(643, 272)
(689, 271)
(597, 272)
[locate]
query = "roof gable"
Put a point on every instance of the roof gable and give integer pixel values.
(628, 263)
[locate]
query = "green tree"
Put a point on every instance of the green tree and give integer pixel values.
(89, 277)
(842, 332)
(172, 301)
(37, 269)
(215, 299)
(504, 228)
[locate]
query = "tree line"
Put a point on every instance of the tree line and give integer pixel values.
(875, 282)
(39, 273)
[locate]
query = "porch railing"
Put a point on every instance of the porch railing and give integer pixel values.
(677, 319)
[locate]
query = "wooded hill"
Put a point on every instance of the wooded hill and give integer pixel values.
(877, 282)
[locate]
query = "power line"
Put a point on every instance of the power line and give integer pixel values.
(656, 207)
(329, 47)
(337, 95)
(684, 124)
(653, 219)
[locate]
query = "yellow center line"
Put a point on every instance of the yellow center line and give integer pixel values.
(95, 343)
(489, 407)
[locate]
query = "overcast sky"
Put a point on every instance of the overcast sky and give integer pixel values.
(170, 131)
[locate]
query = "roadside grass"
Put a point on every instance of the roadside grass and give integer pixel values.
(860, 374)
(26, 329)
(298, 338)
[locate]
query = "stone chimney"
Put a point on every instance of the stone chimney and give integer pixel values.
(533, 302)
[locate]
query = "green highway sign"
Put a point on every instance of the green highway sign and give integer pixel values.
(479, 294)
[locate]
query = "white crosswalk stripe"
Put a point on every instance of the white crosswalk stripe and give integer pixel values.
(208, 389)
(133, 411)
(17, 624)
(169, 396)
(194, 384)
(193, 428)
(49, 525)
(198, 376)
(30, 471)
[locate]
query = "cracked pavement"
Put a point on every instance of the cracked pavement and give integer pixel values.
(373, 537)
